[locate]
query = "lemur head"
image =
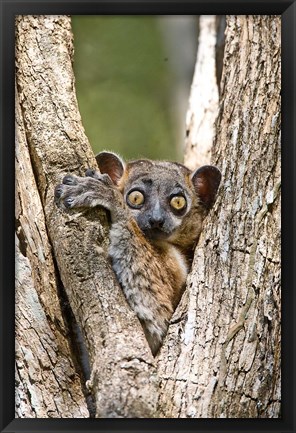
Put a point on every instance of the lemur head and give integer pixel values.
(167, 200)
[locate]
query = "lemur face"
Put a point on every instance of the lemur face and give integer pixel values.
(159, 196)
(165, 198)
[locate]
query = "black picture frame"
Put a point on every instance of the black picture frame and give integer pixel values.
(10, 8)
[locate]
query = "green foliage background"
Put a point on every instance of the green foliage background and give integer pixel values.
(123, 85)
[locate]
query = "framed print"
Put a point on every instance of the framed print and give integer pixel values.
(148, 156)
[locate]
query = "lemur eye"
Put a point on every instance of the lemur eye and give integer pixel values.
(135, 198)
(178, 202)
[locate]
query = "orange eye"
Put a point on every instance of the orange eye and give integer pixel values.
(178, 202)
(135, 198)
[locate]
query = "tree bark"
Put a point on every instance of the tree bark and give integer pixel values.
(204, 98)
(123, 376)
(222, 355)
(47, 384)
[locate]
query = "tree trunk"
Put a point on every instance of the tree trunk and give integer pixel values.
(47, 384)
(203, 100)
(123, 378)
(221, 357)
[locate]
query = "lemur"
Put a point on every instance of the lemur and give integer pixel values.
(156, 209)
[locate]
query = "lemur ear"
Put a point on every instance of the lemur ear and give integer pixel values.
(111, 164)
(206, 181)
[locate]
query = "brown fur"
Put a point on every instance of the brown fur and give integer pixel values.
(151, 244)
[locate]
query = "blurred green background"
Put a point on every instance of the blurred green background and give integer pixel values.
(128, 85)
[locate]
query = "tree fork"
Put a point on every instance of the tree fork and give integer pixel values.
(216, 331)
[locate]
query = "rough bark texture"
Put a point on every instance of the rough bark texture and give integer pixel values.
(123, 380)
(47, 384)
(222, 356)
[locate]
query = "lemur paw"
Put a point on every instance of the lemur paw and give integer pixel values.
(93, 190)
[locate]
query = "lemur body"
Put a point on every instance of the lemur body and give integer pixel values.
(156, 209)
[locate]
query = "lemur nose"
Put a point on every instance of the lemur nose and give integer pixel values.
(156, 222)
(156, 218)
